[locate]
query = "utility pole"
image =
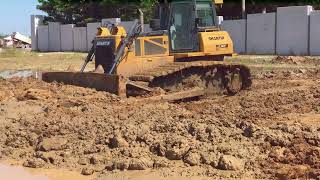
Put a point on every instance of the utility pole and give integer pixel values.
(243, 9)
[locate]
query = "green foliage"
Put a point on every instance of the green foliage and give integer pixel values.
(81, 12)
(13, 52)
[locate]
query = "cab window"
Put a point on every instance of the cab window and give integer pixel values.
(205, 14)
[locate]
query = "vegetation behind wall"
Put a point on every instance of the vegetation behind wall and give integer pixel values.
(80, 12)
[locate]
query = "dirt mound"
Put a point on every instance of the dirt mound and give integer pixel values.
(295, 60)
(285, 74)
(250, 135)
(289, 59)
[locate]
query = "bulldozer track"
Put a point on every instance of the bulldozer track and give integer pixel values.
(208, 74)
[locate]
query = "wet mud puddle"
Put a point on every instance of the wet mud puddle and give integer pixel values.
(20, 173)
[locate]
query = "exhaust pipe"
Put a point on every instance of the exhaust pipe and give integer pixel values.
(141, 20)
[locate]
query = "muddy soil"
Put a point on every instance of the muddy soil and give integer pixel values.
(270, 131)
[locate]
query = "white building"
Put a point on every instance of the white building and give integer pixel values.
(17, 40)
(8, 41)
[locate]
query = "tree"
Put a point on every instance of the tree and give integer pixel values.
(81, 12)
(232, 8)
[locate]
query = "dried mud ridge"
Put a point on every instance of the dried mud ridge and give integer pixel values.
(295, 60)
(270, 131)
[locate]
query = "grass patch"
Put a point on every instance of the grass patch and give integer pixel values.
(18, 59)
(265, 63)
(13, 52)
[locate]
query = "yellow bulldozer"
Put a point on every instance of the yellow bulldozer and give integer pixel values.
(182, 55)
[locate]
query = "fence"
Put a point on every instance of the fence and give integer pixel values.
(291, 30)
(66, 37)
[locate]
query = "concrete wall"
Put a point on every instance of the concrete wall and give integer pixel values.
(237, 31)
(293, 30)
(43, 38)
(147, 28)
(36, 20)
(91, 33)
(80, 39)
(127, 25)
(67, 37)
(315, 33)
(261, 33)
(54, 36)
(105, 22)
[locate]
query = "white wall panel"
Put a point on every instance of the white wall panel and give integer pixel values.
(293, 30)
(36, 20)
(67, 37)
(315, 33)
(54, 36)
(91, 33)
(261, 33)
(237, 31)
(80, 39)
(43, 38)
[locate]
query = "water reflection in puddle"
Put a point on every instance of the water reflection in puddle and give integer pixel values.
(8, 172)
(21, 74)
(18, 173)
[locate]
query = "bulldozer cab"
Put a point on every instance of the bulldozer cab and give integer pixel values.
(186, 18)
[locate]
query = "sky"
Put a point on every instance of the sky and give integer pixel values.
(15, 15)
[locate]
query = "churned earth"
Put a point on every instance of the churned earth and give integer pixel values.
(270, 131)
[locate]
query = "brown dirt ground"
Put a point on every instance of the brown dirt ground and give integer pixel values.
(270, 131)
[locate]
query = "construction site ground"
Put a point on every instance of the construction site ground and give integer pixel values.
(270, 131)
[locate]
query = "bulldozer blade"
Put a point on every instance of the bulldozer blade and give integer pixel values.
(111, 83)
